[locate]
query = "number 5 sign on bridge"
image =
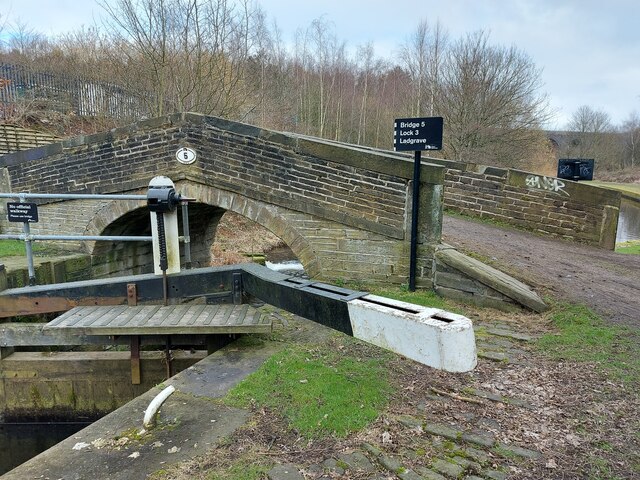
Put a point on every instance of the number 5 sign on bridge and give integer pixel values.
(186, 156)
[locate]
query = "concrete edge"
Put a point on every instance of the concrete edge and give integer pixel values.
(196, 387)
(491, 277)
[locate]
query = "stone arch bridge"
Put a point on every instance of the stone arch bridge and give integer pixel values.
(343, 210)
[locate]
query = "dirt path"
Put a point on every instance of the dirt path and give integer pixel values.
(606, 281)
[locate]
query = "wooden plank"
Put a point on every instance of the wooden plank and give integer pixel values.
(106, 318)
(122, 318)
(197, 311)
(143, 314)
(259, 318)
(135, 360)
(223, 317)
(35, 335)
(93, 315)
(163, 320)
(240, 314)
(209, 318)
(177, 314)
(155, 319)
(63, 319)
(14, 306)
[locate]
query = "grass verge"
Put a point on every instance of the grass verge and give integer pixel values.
(240, 470)
(318, 390)
(11, 248)
(630, 248)
(425, 298)
(16, 248)
(584, 337)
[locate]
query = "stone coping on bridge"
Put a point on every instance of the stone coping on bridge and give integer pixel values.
(381, 161)
(465, 278)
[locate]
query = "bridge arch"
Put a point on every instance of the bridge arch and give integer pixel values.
(132, 218)
(344, 210)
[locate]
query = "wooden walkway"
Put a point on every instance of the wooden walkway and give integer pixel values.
(162, 320)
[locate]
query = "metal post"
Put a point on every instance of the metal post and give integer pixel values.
(185, 234)
(414, 221)
(26, 229)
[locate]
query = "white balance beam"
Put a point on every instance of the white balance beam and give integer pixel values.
(431, 336)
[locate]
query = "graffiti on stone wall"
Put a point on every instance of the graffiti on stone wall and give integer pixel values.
(548, 184)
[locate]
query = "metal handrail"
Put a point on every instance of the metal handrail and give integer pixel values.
(27, 237)
(74, 196)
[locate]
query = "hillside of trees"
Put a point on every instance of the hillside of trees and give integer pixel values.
(218, 57)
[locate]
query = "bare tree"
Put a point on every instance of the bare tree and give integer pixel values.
(319, 62)
(588, 120)
(422, 56)
(631, 133)
(192, 54)
(26, 44)
(491, 102)
(593, 136)
(365, 53)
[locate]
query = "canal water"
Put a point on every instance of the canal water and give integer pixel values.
(628, 221)
(283, 260)
(20, 442)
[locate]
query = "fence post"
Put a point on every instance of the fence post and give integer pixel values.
(4, 351)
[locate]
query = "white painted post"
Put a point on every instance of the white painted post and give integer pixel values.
(170, 229)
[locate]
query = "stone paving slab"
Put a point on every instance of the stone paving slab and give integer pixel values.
(518, 451)
(494, 356)
(447, 468)
(494, 475)
(428, 474)
(508, 333)
(287, 471)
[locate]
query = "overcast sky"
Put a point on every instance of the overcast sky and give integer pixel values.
(589, 50)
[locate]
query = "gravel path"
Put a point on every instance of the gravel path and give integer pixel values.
(606, 281)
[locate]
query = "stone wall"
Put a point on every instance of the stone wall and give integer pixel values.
(344, 210)
(67, 385)
(546, 205)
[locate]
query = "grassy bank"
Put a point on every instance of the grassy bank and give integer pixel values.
(16, 248)
(326, 394)
(629, 248)
(316, 388)
(582, 336)
(13, 248)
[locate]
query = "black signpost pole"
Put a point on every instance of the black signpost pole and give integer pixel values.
(416, 134)
(415, 204)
